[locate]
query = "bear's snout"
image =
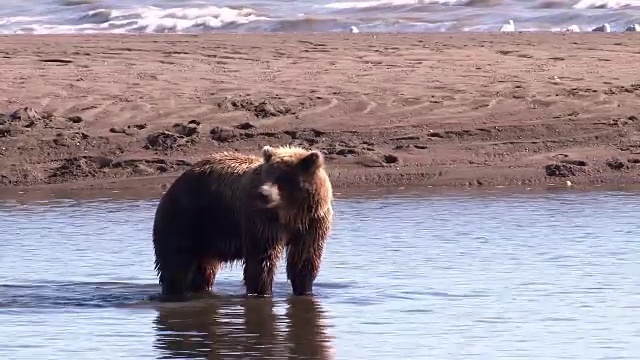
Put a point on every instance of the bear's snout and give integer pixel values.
(269, 195)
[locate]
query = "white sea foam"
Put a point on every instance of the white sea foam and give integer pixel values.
(389, 3)
(605, 4)
(582, 4)
(4, 21)
(140, 19)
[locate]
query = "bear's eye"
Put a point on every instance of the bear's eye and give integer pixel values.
(287, 180)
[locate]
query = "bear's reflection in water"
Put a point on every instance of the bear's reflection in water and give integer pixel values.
(243, 328)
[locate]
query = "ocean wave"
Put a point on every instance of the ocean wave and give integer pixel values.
(606, 4)
(142, 19)
(19, 20)
(107, 16)
(390, 3)
(582, 4)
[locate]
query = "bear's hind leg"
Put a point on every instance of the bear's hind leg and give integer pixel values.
(259, 271)
(204, 276)
(175, 278)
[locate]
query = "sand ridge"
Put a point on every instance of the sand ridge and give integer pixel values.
(386, 109)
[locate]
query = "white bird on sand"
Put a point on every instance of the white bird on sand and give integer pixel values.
(510, 26)
(572, 28)
(354, 30)
(602, 28)
(634, 27)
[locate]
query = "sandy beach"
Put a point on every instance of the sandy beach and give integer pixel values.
(386, 109)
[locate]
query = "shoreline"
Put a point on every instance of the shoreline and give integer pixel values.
(452, 110)
(146, 188)
(132, 189)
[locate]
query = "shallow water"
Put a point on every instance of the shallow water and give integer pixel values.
(198, 16)
(551, 275)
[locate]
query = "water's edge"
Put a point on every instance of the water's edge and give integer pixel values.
(153, 188)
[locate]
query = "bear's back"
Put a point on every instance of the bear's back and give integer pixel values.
(226, 176)
(208, 201)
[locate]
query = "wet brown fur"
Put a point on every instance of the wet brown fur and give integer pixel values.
(215, 213)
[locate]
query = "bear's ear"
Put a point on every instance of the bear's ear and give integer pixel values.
(311, 162)
(267, 153)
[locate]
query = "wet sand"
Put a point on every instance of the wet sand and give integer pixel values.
(387, 109)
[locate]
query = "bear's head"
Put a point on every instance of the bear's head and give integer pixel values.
(293, 178)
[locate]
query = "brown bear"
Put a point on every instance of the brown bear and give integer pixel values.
(233, 207)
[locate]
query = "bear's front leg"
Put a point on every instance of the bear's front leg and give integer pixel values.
(260, 270)
(304, 257)
(303, 269)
